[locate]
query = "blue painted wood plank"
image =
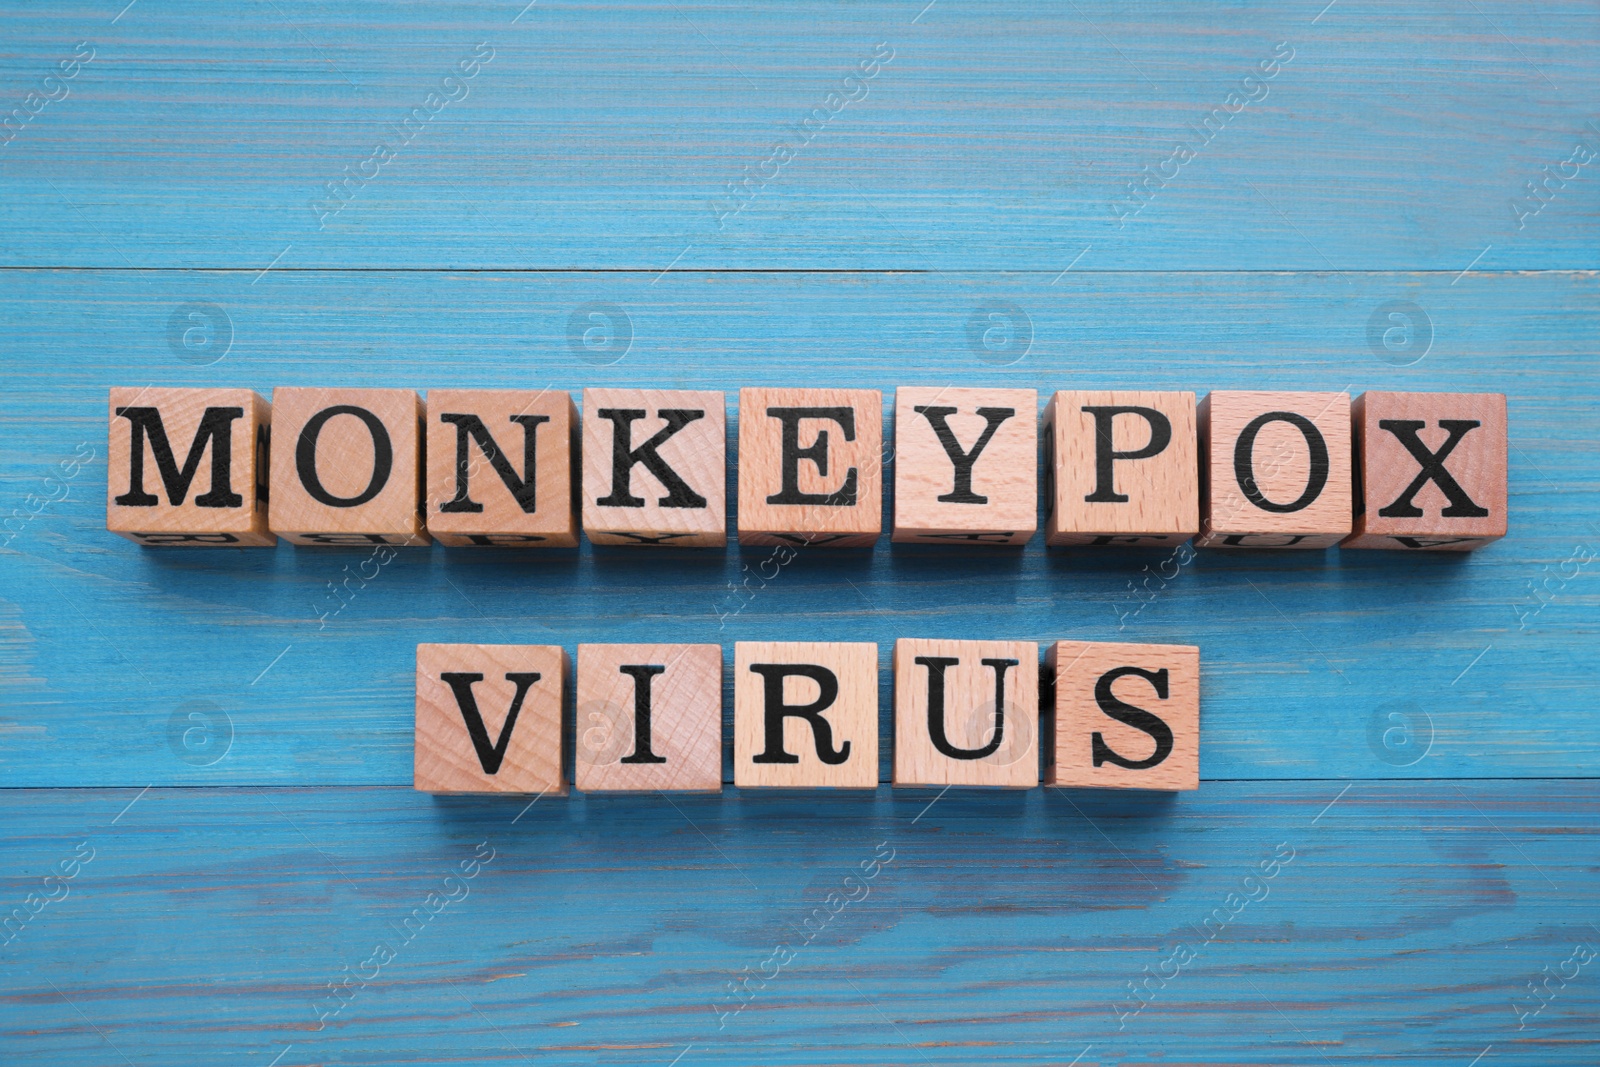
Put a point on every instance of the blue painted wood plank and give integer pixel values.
(1489, 661)
(999, 136)
(1400, 922)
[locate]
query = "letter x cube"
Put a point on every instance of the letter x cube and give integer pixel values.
(1431, 471)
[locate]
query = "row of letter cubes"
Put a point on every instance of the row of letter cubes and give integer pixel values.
(649, 717)
(646, 466)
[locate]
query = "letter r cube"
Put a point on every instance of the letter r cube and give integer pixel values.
(805, 714)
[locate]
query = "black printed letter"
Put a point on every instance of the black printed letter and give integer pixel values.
(1132, 716)
(215, 426)
(489, 755)
(1461, 505)
(522, 489)
(961, 492)
(776, 711)
(1244, 463)
(936, 666)
(305, 456)
(1105, 491)
(641, 676)
(817, 452)
(624, 456)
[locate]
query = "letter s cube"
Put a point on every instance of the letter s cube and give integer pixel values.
(1126, 716)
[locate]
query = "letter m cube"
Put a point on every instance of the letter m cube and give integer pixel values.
(188, 467)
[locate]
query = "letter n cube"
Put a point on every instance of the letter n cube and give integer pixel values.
(502, 468)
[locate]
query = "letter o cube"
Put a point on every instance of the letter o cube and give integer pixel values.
(347, 467)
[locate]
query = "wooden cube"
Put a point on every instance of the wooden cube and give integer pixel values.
(649, 718)
(655, 467)
(1430, 471)
(347, 467)
(501, 467)
(1274, 470)
(805, 715)
(489, 719)
(966, 713)
(965, 465)
(1126, 716)
(810, 467)
(1123, 468)
(188, 467)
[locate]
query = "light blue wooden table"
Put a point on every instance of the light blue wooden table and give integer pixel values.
(1409, 743)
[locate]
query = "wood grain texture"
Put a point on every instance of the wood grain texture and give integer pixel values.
(1275, 469)
(1004, 926)
(1462, 433)
(491, 719)
(810, 467)
(1147, 456)
(520, 491)
(1125, 716)
(675, 691)
(654, 467)
(984, 706)
(309, 652)
(805, 715)
(167, 482)
(1004, 136)
(347, 467)
(947, 488)
(1003, 190)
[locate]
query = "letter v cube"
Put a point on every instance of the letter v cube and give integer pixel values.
(489, 719)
